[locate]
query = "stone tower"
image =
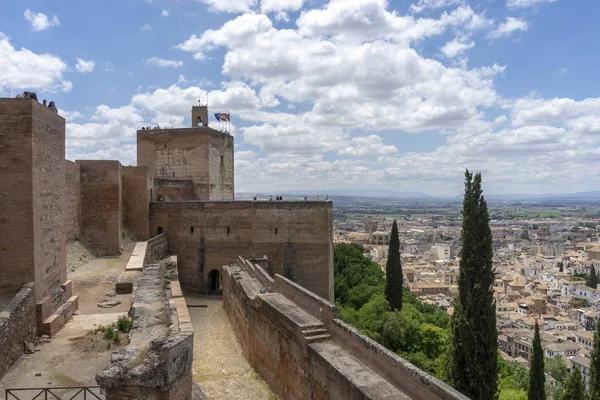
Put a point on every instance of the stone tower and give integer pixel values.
(32, 191)
(189, 163)
(199, 116)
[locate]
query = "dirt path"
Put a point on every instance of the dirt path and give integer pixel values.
(219, 365)
(60, 362)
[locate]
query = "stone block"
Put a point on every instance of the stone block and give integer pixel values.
(67, 287)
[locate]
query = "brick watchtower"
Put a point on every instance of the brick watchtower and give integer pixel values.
(199, 116)
(32, 190)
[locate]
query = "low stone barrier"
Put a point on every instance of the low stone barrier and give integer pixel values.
(143, 253)
(157, 363)
(303, 351)
(17, 325)
(158, 248)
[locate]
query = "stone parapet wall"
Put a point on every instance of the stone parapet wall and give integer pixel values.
(157, 248)
(17, 325)
(298, 345)
(157, 363)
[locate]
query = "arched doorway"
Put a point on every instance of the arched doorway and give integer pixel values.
(214, 282)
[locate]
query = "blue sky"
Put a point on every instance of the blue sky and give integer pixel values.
(332, 94)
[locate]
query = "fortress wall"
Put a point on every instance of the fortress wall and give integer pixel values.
(48, 166)
(17, 324)
(72, 200)
(16, 194)
(295, 236)
(101, 203)
(174, 189)
(416, 383)
(271, 341)
(137, 185)
(157, 248)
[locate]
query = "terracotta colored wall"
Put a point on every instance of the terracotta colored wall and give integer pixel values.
(296, 236)
(32, 189)
(136, 197)
(101, 191)
(16, 194)
(72, 201)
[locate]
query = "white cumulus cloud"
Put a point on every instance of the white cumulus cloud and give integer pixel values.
(456, 47)
(84, 65)
(40, 21)
(164, 13)
(24, 69)
(508, 27)
(163, 62)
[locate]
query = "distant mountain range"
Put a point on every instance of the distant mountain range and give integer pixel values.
(592, 196)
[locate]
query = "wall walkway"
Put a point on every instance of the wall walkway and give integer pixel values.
(298, 345)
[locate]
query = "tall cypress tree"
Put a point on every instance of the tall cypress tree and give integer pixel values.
(537, 379)
(592, 280)
(574, 386)
(474, 361)
(393, 272)
(595, 366)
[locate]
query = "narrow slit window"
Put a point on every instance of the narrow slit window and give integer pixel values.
(276, 231)
(228, 230)
(192, 229)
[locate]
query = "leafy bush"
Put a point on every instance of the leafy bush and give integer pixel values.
(124, 324)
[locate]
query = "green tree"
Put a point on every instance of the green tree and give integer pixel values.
(537, 379)
(560, 266)
(592, 280)
(556, 368)
(474, 364)
(393, 272)
(595, 366)
(574, 387)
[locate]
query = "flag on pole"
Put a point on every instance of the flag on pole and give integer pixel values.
(218, 117)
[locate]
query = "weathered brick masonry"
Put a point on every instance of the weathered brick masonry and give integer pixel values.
(101, 202)
(17, 324)
(137, 189)
(72, 200)
(32, 186)
(295, 236)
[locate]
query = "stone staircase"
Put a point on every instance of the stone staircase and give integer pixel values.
(315, 333)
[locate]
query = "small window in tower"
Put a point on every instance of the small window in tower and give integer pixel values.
(276, 231)
(192, 229)
(165, 146)
(228, 230)
(222, 160)
(199, 121)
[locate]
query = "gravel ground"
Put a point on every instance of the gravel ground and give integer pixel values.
(219, 365)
